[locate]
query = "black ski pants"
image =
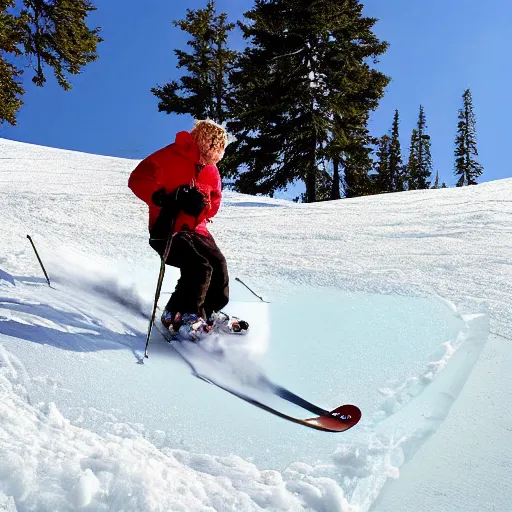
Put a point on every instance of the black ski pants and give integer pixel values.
(203, 286)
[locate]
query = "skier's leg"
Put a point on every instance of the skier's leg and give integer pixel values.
(196, 272)
(217, 295)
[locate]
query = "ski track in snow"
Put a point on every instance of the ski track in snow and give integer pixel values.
(448, 246)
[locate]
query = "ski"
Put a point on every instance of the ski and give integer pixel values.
(340, 419)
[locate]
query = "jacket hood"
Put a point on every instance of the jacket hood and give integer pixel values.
(186, 146)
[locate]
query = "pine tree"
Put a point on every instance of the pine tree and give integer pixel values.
(336, 179)
(425, 165)
(436, 183)
(304, 90)
(205, 91)
(420, 165)
(395, 157)
(43, 33)
(466, 166)
(324, 187)
(412, 165)
(358, 166)
(383, 179)
(389, 168)
(350, 149)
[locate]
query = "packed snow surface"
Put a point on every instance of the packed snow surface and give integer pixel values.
(397, 303)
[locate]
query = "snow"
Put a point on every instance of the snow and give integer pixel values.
(398, 303)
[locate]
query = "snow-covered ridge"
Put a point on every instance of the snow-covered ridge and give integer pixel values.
(399, 303)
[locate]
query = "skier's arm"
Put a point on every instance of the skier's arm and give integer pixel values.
(213, 196)
(143, 181)
(215, 200)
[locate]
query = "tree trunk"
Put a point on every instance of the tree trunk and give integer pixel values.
(335, 191)
(219, 86)
(311, 186)
(311, 174)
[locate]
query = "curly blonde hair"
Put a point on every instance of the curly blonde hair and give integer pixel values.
(211, 139)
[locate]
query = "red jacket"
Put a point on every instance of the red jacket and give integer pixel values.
(171, 167)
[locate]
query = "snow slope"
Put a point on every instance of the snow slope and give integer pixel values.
(398, 303)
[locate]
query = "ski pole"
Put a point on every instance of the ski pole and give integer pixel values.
(40, 262)
(155, 303)
(158, 289)
(240, 281)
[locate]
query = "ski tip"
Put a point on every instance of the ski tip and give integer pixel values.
(340, 419)
(348, 413)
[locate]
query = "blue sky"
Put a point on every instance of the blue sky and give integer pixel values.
(438, 48)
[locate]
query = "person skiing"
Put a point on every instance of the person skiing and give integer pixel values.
(182, 187)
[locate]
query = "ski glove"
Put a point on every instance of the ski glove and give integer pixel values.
(190, 200)
(161, 199)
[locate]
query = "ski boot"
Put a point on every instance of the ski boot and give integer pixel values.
(223, 323)
(167, 319)
(190, 327)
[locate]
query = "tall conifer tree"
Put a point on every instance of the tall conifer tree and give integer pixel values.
(383, 180)
(420, 167)
(304, 90)
(395, 157)
(466, 166)
(389, 168)
(205, 91)
(411, 170)
(436, 183)
(358, 166)
(44, 33)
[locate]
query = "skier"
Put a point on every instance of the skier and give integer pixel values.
(182, 187)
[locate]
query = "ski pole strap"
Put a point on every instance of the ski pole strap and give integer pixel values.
(168, 247)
